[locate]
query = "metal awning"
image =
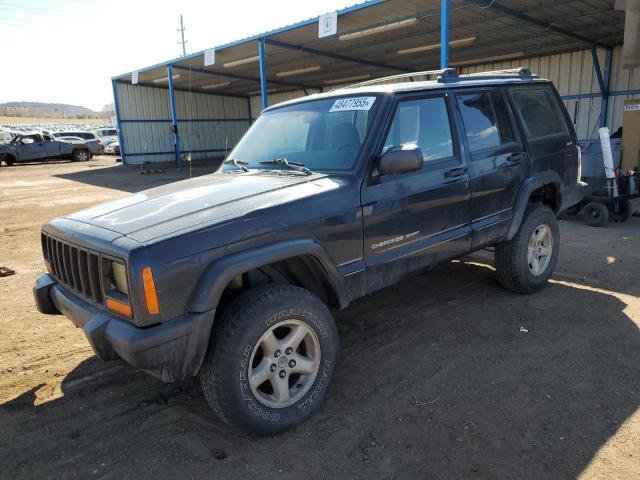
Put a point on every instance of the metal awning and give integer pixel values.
(385, 37)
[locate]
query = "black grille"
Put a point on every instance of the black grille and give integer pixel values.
(77, 268)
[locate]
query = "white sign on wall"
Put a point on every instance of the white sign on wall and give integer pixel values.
(209, 57)
(134, 78)
(327, 25)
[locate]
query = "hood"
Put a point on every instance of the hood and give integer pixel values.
(201, 201)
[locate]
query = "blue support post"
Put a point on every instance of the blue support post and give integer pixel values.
(174, 118)
(444, 34)
(604, 107)
(263, 71)
(117, 125)
(603, 81)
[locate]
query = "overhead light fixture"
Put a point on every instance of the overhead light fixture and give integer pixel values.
(496, 58)
(242, 61)
(258, 92)
(347, 79)
(215, 85)
(166, 79)
(299, 71)
(380, 29)
(463, 42)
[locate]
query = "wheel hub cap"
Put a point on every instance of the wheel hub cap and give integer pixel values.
(540, 249)
(276, 379)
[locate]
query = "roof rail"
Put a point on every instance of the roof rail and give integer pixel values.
(447, 72)
(523, 73)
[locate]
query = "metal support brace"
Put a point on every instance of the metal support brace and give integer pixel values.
(117, 125)
(603, 81)
(174, 118)
(444, 34)
(263, 71)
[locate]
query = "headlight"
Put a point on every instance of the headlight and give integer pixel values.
(119, 275)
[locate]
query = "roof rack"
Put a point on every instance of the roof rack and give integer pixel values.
(424, 73)
(522, 73)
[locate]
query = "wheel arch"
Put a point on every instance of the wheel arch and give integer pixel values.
(218, 276)
(542, 187)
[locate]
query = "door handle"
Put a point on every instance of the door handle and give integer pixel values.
(516, 158)
(456, 172)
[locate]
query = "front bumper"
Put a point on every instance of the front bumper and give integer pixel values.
(170, 351)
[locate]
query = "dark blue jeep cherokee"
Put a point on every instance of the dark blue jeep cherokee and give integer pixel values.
(233, 276)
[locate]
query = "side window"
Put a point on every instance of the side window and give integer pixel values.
(538, 112)
(424, 122)
(486, 120)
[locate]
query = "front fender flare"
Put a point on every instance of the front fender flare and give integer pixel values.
(219, 273)
(531, 184)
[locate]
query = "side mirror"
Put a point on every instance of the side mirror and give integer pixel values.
(402, 159)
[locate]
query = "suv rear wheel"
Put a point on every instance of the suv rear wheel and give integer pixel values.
(525, 263)
(270, 359)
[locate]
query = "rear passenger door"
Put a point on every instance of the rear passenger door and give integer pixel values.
(414, 219)
(550, 141)
(498, 162)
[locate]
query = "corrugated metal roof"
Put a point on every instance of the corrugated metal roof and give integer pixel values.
(490, 33)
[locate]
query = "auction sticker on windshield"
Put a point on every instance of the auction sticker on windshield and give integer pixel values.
(352, 103)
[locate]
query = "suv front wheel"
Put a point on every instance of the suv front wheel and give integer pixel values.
(271, 359)
(525, 263)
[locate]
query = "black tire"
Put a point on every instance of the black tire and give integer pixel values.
(624, 210)
(80, 155)
(224, 375)
(9, 160)
(511, 257)
(596, 214)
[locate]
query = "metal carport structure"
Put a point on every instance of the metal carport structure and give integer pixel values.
(182, 107)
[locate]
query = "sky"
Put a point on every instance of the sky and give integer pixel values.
(66, 51)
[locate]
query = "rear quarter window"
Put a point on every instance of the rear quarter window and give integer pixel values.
(539, 113)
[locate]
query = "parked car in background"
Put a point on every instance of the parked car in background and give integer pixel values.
(35, 146)
(112, 148)
(107, 134)
(93, 141)
(5, 136)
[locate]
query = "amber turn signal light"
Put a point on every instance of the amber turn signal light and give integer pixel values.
(150, 291)
(118, 307)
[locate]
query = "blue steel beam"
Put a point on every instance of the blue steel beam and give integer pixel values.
(174, 118)
(241, 77)
(117, 111)
(444, 34)
(523, 17)
(604, 108)
(262, 54)
(336, 56)
(603, 81)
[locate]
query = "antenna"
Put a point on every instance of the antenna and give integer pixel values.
(183, 42)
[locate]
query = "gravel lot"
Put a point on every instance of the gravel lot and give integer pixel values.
(435, 377)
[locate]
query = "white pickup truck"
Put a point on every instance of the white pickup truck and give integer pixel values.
(36, 146)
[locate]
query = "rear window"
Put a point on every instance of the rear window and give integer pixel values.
(538, 112)
(486, 120)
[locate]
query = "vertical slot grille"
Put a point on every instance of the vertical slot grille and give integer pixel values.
(75, 267)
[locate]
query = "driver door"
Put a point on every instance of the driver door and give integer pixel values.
(412, 220)
(30, 147)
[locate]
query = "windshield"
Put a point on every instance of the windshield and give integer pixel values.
(321, 135)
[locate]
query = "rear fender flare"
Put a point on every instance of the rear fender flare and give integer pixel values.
(531, 184)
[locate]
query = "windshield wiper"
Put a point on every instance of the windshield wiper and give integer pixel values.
(237, 163)
(290, 165)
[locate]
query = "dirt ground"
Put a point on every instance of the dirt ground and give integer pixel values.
(437, 377)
